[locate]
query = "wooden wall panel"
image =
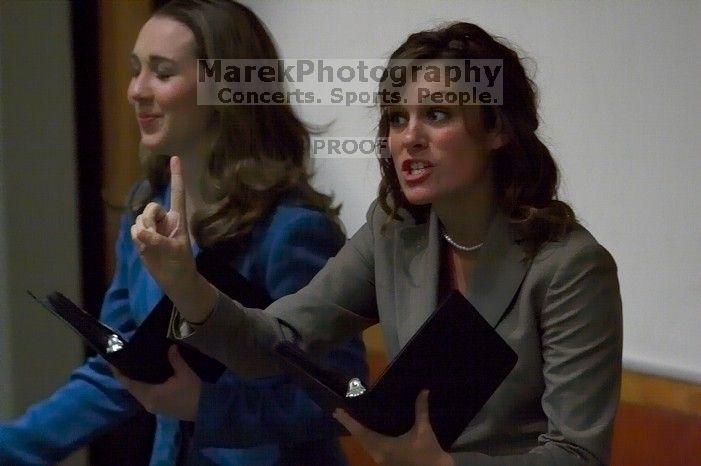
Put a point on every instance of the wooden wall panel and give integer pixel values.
(120, 22)
(647, 390)
(651, 436)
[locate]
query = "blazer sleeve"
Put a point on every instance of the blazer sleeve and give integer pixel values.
(581, 339)
(241, 413)
(90, 403)
(337, 304)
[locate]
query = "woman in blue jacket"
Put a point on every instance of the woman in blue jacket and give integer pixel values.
(250, 188)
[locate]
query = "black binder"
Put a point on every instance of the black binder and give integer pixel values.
(455, 354)
(144, 355)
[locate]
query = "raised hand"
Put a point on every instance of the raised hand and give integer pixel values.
(163, 241)
(162, 238)
(417, 447)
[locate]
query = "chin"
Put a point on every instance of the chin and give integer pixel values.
(418, 198)
(418, 201)
(154, 144)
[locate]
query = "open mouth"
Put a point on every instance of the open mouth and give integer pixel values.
(416, 170)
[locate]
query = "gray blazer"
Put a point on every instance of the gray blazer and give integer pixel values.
(560, 311)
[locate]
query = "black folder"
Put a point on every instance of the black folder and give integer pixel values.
(455, 354)
(144, 355)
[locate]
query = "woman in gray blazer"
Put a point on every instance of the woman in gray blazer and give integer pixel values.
(467, 202)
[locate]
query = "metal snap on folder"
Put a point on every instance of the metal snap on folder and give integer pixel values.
(455, 354)
(143, 355)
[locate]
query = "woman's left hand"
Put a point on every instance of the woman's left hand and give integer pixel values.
(177, 397)
(417, 447)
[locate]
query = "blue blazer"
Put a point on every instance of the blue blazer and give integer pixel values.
(264, 422)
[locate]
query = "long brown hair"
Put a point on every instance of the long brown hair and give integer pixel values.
(525, 174)
(260, 152)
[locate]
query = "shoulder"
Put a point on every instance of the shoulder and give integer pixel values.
(377, 219)
(575, 258)
(291, 217)
(291, 245)
(291, 222)
(578, 244)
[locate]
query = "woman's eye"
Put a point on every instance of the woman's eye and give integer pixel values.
(436, 114)
(397, 120)
(163, 75)
(164, 71)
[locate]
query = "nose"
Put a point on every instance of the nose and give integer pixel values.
(139, 89)
(414, 137)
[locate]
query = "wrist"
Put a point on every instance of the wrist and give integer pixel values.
(177, 278)
(195, 299)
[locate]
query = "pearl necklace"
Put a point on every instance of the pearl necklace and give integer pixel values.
(459, 246)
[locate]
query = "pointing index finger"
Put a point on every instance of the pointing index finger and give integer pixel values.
(177, 187)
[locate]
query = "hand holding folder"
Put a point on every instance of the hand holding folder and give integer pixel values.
(144, 355)
(456, 355)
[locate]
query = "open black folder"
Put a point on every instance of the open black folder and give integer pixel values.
(144, 355)
(455, 354)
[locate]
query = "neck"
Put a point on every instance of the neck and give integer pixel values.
(193, 167)
(194, 160)
(466, 219)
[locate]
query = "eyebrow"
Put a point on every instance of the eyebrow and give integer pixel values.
(154, 58)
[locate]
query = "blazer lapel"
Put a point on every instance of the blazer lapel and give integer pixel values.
(416, 276)
(500, 270)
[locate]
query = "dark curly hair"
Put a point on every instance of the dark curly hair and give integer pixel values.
(525, 176)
